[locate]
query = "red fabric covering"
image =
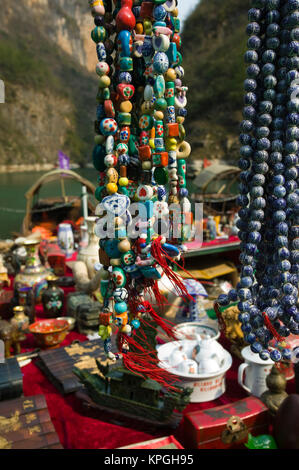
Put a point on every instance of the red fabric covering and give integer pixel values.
(79, 429)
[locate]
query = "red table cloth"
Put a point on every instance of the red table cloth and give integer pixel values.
(79, 429)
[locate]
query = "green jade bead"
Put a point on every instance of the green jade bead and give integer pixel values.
(98, 193)
(161, 176)
(159, 128)
(98, 157)
(182, 173)
(170, 93)
(133, 144)
(160, 104)
(124, 119)
(104, 287)
(123, 190)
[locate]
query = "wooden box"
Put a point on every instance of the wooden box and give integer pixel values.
(25, 423)
(11, 379)
(206, 429)
(58, 364)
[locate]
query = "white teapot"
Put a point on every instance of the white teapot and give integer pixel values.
(209, 356)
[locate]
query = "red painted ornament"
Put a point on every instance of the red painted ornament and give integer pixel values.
(125, 91)
(125, 19)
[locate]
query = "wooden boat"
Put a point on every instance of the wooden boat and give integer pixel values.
(48, 213)
(131, 396)
(216, 188)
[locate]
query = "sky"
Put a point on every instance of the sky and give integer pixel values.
(185, 7)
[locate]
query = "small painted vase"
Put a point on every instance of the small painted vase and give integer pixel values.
(34, 273)
(52, 298)
(20, 321)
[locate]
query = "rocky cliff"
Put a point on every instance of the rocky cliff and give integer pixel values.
(214, 43)
(46, 61)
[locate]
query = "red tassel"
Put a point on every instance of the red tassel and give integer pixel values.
(145, 363)
(164, 324)
(160, 298)
(161, 257)
(271, 327)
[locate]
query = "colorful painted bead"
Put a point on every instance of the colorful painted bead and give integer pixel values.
(98, 34)
(108, 126)
(161, 63)
(119, 277)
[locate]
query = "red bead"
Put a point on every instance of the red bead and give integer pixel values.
(125, 19)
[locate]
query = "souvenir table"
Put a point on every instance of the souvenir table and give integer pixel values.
(78, 428)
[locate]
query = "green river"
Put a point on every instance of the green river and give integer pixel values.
(13, 187)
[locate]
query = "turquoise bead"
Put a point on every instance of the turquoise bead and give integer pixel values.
(126, 64)
(172, 53)
(120, 307)
(159, 86)
(124, 40)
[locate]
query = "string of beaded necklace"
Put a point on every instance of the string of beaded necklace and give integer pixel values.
(269, 210)
(140, 146)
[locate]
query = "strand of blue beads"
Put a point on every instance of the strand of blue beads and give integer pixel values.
(268, 190)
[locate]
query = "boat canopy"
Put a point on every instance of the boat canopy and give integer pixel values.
(63, 200)
(217, 176)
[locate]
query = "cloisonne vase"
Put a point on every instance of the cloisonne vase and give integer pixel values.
(34, 274)
(20, 321)
(52, 298)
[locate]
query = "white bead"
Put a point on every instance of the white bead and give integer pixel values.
(109, 144)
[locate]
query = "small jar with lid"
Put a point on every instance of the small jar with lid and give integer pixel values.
(53, 298)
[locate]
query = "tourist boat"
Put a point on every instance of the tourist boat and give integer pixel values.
(47, 213)
(217, 188)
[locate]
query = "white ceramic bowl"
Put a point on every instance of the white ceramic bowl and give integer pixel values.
(206, 387)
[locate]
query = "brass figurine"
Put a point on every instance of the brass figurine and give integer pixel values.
(276, 393)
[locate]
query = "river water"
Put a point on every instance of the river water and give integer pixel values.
(13, 187)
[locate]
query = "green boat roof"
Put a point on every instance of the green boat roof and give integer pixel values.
(151, 385)
(118, 374)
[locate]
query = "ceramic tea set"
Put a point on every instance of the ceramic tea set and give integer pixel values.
(200, 363)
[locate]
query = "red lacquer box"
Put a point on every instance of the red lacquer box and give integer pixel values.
(168, 442)
(205, 429)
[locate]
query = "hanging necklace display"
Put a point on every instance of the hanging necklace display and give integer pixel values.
(140, 148)
(269, 203)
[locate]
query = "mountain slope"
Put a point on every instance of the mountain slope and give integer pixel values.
(45, 63)
(214, 43)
